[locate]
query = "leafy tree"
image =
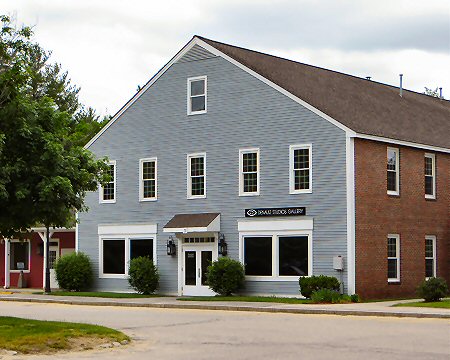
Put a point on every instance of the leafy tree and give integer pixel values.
(44, 170)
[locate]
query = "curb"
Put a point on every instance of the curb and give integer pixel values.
(237, 308)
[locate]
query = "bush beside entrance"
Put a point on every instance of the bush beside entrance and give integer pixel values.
(225, 276)
(143, 275)
(74, 272)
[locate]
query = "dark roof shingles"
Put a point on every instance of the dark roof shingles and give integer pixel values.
(365, 106)
(191, 220)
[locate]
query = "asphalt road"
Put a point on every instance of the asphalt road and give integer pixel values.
(201, 334)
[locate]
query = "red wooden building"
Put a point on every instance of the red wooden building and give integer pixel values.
(28, 256)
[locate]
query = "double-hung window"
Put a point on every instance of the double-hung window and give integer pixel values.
(196, 175)
(393, 256)
(393, 174)
(108, 191)
(248, 172)
(148, 179)
(277, 256)
(197, 98)
(430, 256)
(300, 163)
(430, 176)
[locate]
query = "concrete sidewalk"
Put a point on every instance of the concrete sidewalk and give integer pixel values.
(356, 309)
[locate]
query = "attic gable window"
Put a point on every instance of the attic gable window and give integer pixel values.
(196, 101)
(108, 191)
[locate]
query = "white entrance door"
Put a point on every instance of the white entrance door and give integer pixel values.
(53, 256)
(195, 263)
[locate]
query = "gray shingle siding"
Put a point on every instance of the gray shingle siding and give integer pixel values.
(242, 112)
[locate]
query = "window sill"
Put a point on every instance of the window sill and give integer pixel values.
(430, 197)
(394, 281)
(18, 271)
(249, 194)
(393, 194)
(107, 202)
(271, 278)
(196, 197)
(112, 276)
(196, 112)
(294, 192)
(147, 200)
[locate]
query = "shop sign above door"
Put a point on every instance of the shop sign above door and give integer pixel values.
(286, 211)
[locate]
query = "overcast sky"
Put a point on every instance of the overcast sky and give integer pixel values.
(110, 47)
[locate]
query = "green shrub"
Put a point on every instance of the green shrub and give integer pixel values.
(433, 289)
(74, 272)
(225, 276)
(354, 298)
(313, 283)
(325, 296)
(143, 275)
(329, 296)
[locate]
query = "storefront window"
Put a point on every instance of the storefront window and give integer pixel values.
(114, 256)
(258, 255)
(293, 255)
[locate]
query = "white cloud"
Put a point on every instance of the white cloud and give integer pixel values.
(110, 47)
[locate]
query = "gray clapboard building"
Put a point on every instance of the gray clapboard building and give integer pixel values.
(214, 157)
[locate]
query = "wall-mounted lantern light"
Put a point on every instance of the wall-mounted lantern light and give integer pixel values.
(171, 248)
(222, 245)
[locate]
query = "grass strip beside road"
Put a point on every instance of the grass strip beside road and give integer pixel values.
(271, 299)
(110, 295)
(443, 304)
(33, 336)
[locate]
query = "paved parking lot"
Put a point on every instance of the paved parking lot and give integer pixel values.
(203, 334)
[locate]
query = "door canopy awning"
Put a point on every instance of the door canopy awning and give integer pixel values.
(193, 223)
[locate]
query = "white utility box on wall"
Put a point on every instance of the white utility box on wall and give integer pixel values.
(338, 263)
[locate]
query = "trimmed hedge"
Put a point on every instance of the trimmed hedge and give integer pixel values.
(143, 275)
(314, 283)
(74, 272)
(225, 276)
(433, 289)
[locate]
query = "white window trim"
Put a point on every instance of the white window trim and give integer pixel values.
(188, 173)
(127, 239)
(189, 107)
(275, 253)
(241, 174)
(29, 256)
(101, 200)
(397, 171)
(292, 189)
(141, 179)
(432, 238)
(433, 168)
(397, 247)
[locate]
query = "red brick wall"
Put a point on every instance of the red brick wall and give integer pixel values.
(410, 215)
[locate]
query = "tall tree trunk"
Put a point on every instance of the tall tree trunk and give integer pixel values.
(47, 261)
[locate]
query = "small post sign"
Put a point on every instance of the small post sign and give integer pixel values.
(286, 211)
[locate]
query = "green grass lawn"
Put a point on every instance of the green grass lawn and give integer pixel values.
(33, 336)
(443, 304)
(111, 295)
(248, 298)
